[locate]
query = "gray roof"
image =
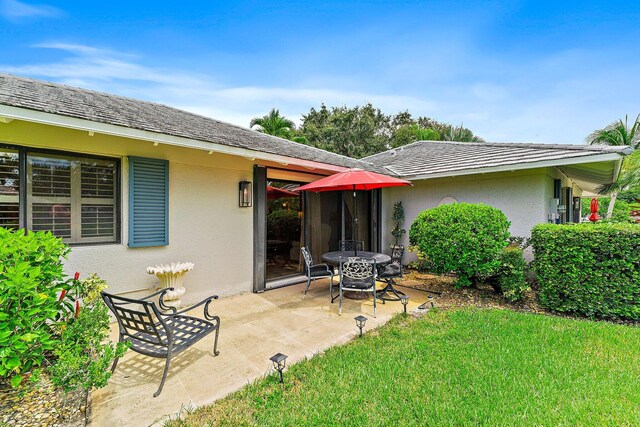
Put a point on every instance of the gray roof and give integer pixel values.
(148, 116)
(419, 159)
(425, 158)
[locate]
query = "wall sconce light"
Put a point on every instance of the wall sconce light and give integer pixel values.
(279, 362)
(404, 300)
(245, 196)
(360, 321)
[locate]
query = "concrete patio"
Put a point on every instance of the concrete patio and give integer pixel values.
(253, 328)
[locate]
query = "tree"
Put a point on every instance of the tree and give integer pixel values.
(277, 125)
(411, 133)
(355, 132)
(363, 131)
(619, 133)
(460, 134)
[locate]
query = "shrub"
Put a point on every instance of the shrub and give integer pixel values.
(31, 277)
(422, 264)
(589, 269)
(621, 210)
(463, 238)
(511, 273)
(84, 354)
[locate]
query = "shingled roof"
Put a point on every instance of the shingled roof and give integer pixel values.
(419, 160)
(426, 159)
(148, 116)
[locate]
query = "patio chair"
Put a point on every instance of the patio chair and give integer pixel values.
(389, 273)
(358, 275)
(316, 271)
(154, 333)
(351, 245)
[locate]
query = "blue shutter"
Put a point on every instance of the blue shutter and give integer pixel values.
(148, 202)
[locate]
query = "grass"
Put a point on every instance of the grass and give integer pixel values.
(459, 367)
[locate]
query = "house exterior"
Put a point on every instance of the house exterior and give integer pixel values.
(130, 184)
(530, 183)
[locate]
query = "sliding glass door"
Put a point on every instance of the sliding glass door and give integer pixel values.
(285, 230)
(286, 220)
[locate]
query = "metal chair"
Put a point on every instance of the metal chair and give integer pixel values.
(351, 245)
(316, 271)
(390, 272)
(358, 275)
(154, 333)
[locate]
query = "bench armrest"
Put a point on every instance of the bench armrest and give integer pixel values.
(206, 303)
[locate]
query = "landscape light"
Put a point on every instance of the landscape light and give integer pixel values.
(279, 362)
(360, 321)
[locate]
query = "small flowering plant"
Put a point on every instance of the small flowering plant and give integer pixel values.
(68, 299)
(85, 352)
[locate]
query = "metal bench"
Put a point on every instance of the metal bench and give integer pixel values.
(153, 333)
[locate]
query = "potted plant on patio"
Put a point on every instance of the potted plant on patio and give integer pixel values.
(398, 219)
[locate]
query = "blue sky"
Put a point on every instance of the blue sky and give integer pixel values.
(523, 71)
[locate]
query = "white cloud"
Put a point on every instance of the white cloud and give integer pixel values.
(14, 10)
(116, 72)
(558, 98)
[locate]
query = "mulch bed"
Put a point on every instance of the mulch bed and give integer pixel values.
(446, 295)
(40, 405)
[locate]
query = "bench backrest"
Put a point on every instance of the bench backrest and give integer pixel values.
(138, 319)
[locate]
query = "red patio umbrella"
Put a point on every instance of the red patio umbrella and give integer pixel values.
(276, 193)
(353, 180)
(594, 210)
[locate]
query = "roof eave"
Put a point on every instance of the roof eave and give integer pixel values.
(8, 113)
(522, 166)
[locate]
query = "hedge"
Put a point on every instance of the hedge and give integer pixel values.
(589, 269)
(511, 274)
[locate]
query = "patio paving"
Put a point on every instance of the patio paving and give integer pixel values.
(253, 328)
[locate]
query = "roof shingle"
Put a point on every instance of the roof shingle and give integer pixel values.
(148, 116)
(424, 158)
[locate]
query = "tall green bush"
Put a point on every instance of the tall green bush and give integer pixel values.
(31, 279)
(589, 269)
(463, 238)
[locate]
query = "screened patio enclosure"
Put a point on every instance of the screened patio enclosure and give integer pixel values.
(284, 222)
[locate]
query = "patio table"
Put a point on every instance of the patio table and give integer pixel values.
(335, 257)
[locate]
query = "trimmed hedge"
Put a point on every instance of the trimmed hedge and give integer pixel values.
(511, 280)
(463, 238)
(589, 269)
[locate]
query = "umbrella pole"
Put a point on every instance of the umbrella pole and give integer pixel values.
(354, 232)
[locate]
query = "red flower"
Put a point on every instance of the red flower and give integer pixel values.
(76, 276)
(62, 294)
(77, 308)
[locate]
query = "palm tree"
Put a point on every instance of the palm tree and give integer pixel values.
(618, 133)
(460, 134)
(274, 124)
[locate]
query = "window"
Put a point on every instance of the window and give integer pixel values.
(73, 197)
(9, 188)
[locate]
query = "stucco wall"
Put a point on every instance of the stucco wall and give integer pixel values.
(522, 196)
(206, 226)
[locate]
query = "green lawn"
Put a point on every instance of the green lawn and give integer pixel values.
(462, 367)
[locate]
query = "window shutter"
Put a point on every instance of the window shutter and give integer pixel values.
(148, 202)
